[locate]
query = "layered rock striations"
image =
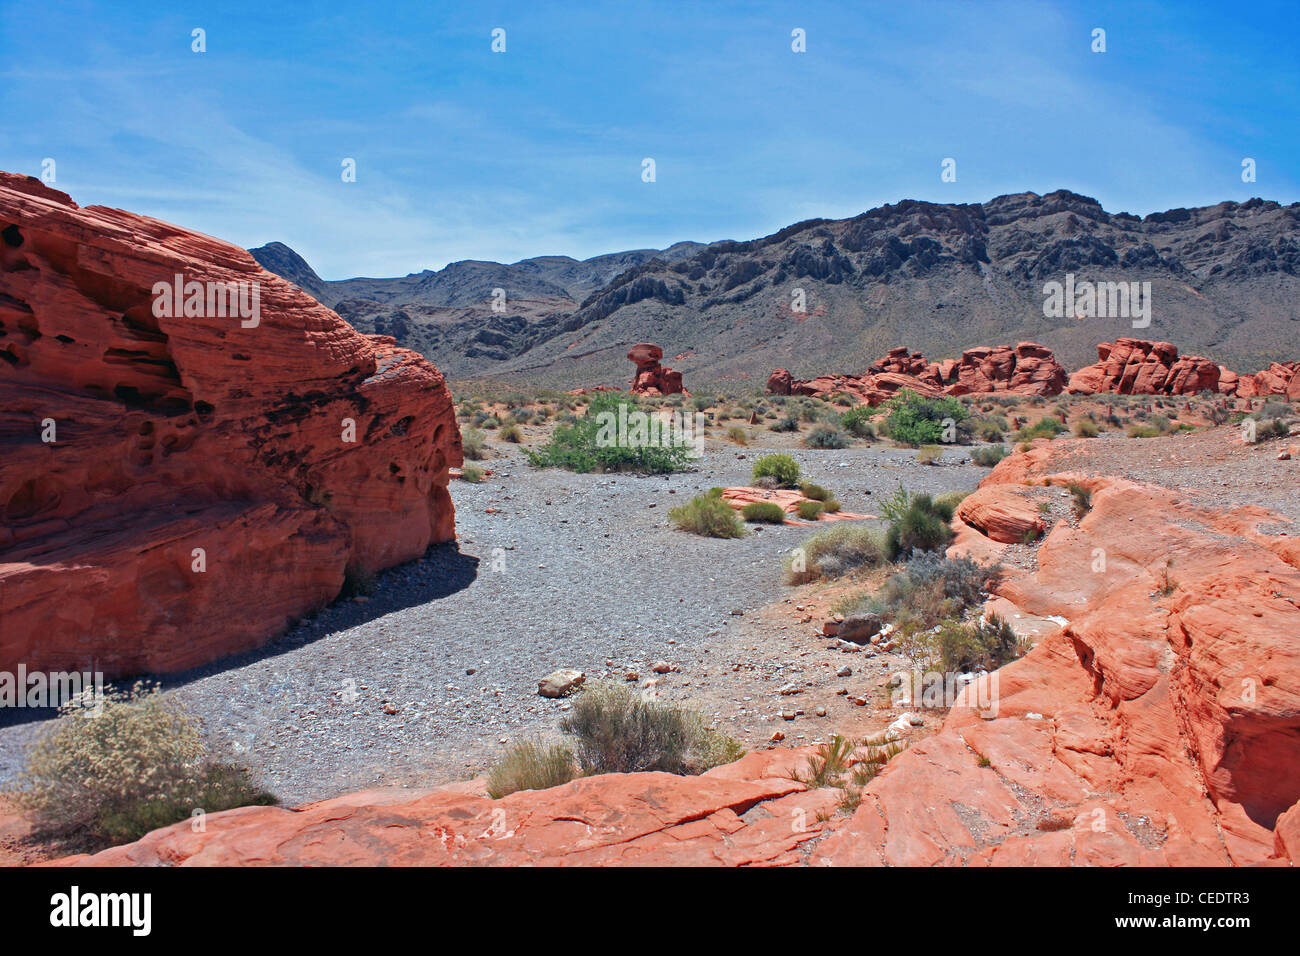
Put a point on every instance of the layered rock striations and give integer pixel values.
(182, 475)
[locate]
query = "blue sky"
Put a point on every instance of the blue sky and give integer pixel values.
(463, 153)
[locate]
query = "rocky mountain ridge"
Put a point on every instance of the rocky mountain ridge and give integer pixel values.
(1224, 281)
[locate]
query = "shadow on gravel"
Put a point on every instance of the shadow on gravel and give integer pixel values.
(441, 572)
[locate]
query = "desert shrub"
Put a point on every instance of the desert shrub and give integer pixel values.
(922, 527)
(616, 731)
(1272, 409)
(930, 454)
(948, 502)
(809, 510)
(708, 515)
(1084, 428)
(586, 445)
(511, 433)
(988, 430)
(826, 436)
(983, 645)
(530, 764)
(787, 424)
(1082, 498)
(811, 411)
(1277, 428)
(1043, 428)
(781, 467)
(926, 590)
(830, 506)
(827, 763)
(139, 765)
(914, 420)
(989, 455)
(471, 441)
(836, 552)
(738, 435)
(1162, 424)
(815, 492)
(471, 473)
(1142, 431)
(763, 512)
(857, 422)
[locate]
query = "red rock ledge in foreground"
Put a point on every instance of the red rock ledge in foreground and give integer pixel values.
(1156, 727)
(176, 488)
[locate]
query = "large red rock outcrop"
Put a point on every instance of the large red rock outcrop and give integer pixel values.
(1280, 378)
(651, 378)
(1159, 726)
(1138, 367)
(1025, 369)
(175, 488)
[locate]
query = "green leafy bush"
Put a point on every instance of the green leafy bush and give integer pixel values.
(139, 765)
(616, 731)
(857, 422)
(763, 512)
(586, 445)
(782, 468)
(914, 420)
(708, 515)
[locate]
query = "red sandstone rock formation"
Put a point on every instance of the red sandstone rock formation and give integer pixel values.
(651, 378)
(1002, 514)
(1025, 369)
(200, 488)
(1280, 378)
(1151, 729)
(1137, 367)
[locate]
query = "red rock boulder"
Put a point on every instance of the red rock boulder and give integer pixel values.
(1025, 369)
(651, 378)
(179, 479)
(1138, 367)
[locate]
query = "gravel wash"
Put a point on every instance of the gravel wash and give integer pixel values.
(421, 682)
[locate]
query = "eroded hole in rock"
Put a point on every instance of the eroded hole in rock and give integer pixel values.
(399, 427)
(12, 237)
(32, 497)
(203, 410)
(13, 355)
(65, 339)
